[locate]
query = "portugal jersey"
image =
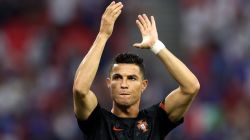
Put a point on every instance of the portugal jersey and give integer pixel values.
(150, 124)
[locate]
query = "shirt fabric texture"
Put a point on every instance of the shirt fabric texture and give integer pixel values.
(150, 124)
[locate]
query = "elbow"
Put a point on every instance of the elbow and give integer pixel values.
(193, 88)
(79, 94)
(196, 87)
(79, 90)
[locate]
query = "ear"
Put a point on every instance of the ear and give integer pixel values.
(108, 82)
(144, 85)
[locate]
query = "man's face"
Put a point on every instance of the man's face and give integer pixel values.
(126, 84)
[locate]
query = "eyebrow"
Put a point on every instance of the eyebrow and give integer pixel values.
(133, 75)
(117, 74)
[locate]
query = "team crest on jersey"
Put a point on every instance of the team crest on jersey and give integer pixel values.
(142, 125)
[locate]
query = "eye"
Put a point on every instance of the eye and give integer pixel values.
(133, 78)
(116, 77)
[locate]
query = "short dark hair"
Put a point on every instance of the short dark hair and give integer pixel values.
(129, 58)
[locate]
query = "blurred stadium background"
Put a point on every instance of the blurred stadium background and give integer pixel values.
(42, 43)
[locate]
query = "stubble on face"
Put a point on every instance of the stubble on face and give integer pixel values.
(126, 84)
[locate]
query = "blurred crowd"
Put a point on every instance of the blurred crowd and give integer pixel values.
(42, 43)
(215, 33)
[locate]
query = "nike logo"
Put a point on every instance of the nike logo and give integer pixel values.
(117, 129)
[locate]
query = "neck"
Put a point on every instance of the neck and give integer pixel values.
(125, 111)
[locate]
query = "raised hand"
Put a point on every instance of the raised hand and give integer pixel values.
(148, 31)
(109, 17)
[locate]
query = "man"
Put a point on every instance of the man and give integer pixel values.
(126, 83)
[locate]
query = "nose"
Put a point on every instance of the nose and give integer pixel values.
(124, 84)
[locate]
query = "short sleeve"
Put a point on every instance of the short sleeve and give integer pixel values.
(90, 125)
(162, 125)
(164, 121)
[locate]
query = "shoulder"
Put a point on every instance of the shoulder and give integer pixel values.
(158, 114)
(152, 110)
(93, 120)
(159, 119)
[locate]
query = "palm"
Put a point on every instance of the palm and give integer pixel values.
(147, 40)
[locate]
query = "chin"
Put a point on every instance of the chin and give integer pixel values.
(125, 103)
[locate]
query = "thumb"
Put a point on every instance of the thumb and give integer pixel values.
(137, 45)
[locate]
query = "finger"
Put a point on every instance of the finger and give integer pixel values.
(112, 3)
(153, 22)
(115, 6)
(109, 6)
(139, 25)
(145, 17)
(142, 21)
(118, 14)
(112, 6)
(137, 45)
(116, 10)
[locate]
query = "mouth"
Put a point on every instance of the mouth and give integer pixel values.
(124, 93)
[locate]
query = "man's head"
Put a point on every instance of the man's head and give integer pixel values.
(128, 58)
(126, 79)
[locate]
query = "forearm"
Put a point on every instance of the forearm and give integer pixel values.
(185, 78)
(87, 69)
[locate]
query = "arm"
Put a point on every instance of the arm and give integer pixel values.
(84, 99)
(179, 100)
